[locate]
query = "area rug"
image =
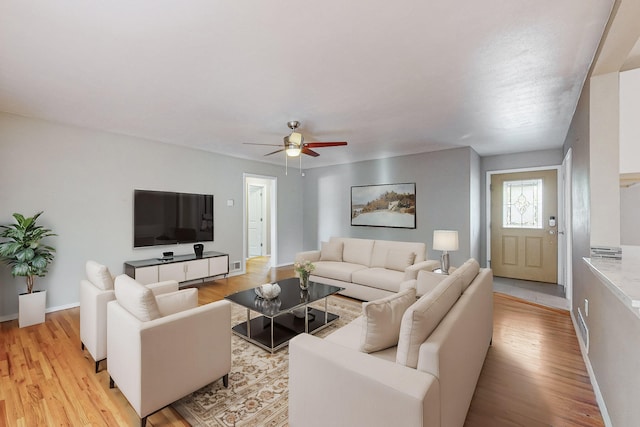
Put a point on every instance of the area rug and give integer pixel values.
(258, 382)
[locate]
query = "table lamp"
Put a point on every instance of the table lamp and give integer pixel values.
(445, 241)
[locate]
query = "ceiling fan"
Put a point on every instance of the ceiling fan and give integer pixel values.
(294, 143)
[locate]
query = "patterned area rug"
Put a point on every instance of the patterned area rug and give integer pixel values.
(258, 382)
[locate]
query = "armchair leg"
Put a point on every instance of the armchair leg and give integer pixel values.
(111, 383)
(143, 421)
(97, 365)
(82, 345)
(225, 381)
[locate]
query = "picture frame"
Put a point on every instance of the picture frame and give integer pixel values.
(384, 205)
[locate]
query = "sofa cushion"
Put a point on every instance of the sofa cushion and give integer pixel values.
(467, 272)
(331, 251)
(356, 251)
(99, 275)
(382, 247)
(399, 260)
(336, 270)
(381, 278)
(423, 317)
(381, 320)
(136, 298)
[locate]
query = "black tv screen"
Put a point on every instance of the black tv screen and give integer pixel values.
(167, 218)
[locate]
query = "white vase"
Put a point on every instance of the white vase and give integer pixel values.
(31, 308)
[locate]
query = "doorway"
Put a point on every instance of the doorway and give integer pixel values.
(260, 218)
(523, 225)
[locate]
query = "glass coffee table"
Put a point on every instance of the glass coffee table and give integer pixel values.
(283, 317)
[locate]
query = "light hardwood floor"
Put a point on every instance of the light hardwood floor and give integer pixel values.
(534, 374)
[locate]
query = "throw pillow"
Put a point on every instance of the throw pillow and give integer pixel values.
(399, 260)
(99, 275)
(136, 298)
(423, 317)
(331, 251)
(381, 320)
(175, 302)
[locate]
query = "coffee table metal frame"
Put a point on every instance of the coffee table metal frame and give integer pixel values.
(277, 324)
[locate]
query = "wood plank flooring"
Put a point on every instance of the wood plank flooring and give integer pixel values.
(534, 374)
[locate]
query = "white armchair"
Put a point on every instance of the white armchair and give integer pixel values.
(95, 292)
(162, 348)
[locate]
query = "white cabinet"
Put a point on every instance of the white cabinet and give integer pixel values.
(181, 268)
(197, 269)
(147, 275)
(173, 271)
(219, 265)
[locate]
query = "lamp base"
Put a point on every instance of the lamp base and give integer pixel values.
(444, 262)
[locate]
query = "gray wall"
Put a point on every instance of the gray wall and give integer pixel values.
(446, 190)
(614, 331)
(629, 209)
(84, 181)
(531, 159)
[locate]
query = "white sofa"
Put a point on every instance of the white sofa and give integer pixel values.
(427, 379)
(368, 269)
(95, 292)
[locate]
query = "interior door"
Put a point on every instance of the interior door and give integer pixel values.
(524, 239)
(255, 220)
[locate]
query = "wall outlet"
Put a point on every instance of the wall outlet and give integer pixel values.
(586, 307)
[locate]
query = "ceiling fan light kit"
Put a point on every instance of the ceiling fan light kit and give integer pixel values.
(294, 144)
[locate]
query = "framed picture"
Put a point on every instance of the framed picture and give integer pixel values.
(385, 205)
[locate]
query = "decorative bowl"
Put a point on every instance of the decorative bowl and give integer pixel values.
(268, 291)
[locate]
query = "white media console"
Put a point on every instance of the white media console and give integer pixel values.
(182, 268)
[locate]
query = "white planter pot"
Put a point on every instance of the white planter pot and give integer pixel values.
(31, 308)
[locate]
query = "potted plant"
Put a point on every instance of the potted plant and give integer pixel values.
(27, 257)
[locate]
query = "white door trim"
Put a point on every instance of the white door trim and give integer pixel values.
(560, 184)
(272, 182)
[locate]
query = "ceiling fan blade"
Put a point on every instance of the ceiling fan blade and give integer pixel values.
(309, 152)
(324, 144)
(271, 145)
(274, 152)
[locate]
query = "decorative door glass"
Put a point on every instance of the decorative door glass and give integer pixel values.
(522, 204)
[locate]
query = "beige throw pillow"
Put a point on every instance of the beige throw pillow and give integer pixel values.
(399, 260)
(175, 302)
(136, 298)
(423, 317)
(382, 318)
(99, 275)
(331, 251)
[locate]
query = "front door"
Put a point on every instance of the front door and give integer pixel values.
(524, 240)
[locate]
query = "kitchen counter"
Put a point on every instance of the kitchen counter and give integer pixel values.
(622, 276)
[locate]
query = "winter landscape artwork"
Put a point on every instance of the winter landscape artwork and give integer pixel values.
(385, 205)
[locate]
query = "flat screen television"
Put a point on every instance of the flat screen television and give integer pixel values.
(168, 218)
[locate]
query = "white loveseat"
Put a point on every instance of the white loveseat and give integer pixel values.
(427, 379)
(368, 269)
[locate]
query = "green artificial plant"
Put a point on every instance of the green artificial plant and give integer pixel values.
(24, 252)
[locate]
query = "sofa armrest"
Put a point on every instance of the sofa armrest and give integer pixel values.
(411, 272)
(312, 256)
(163, 287)
(359, 389)
(93, 318)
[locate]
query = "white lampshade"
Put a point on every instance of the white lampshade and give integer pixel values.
(445, 240)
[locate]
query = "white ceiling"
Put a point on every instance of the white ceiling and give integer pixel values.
(391, 78)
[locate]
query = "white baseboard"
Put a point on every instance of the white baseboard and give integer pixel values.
(592, 376)
(47, 310)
